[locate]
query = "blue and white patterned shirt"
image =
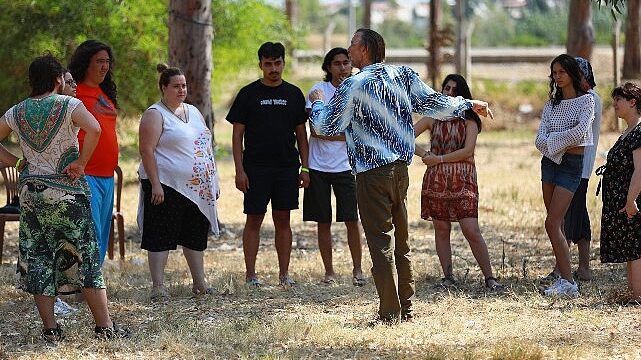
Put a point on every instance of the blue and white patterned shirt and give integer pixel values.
(374, 109)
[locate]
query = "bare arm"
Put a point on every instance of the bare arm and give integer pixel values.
(423, 124)
(149, 133)
(242, 181)
(471, 133)
(631, 207)
(303, 150)
(5, 156)
(82, 118)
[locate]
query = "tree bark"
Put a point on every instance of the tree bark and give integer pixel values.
(459, 55)
(434, 48)
(291, 11)
(580, 31)
(190, 49)
(367, 14)
(632, 54)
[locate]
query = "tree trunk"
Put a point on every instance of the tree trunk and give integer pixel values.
(459, 55)
(291, 11)
(367, 14)
(190, 41)
(434, 48)
(632, 54)
(580, 30)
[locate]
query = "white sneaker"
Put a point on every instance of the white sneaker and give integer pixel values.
(562, 287)
(61, 308)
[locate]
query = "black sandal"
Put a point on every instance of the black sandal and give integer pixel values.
(52, 335)
(495, 287)
(108, 333)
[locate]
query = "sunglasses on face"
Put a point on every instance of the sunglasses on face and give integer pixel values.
(70, 82)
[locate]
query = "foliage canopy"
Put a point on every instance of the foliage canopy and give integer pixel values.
(136, 31)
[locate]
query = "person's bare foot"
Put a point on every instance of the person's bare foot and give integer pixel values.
(202, 289)
(358, 279)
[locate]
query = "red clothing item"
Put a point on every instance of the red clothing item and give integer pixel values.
(450, 190)
(104, 159)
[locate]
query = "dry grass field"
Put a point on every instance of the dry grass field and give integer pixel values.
(319, 321)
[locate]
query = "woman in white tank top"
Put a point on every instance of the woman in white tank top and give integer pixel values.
(179, 183)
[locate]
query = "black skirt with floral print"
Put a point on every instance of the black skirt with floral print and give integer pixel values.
(620, 236)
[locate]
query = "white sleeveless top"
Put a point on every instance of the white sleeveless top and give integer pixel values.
(185, 161)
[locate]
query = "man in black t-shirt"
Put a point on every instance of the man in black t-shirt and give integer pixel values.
(269, 119)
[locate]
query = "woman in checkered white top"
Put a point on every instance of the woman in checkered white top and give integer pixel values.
(564, 131)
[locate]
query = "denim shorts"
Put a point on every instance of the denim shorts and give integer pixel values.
(566, 175)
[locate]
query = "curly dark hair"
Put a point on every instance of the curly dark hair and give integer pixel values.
(43, 72)
(629, 91)
(463, 90)
(80, 62)
(569, 64)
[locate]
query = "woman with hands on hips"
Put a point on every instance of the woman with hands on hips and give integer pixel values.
(179, 183)
(58, 250)
(450, 190)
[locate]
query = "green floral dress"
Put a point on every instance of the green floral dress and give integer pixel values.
(57, 241)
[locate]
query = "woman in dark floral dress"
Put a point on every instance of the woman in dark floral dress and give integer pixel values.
(620, 220)
(58, 251)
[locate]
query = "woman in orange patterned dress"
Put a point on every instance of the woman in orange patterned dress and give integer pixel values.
(450, 190)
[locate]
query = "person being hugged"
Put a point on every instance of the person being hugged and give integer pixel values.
(329, 169)
(450, 189)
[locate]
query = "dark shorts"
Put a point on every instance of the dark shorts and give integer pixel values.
(566, 175)
(577, 220)
(276, 184)
(176, 221)
(317, 202)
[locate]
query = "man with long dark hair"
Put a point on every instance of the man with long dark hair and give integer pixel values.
(329, 169)
(91, 66)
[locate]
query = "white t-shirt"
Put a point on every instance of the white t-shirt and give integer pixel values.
(326, 155)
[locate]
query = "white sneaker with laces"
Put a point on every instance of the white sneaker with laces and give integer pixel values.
(562, 287)
(61, 308)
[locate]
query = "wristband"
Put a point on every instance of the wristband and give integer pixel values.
(304, 169)
(17, 165)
